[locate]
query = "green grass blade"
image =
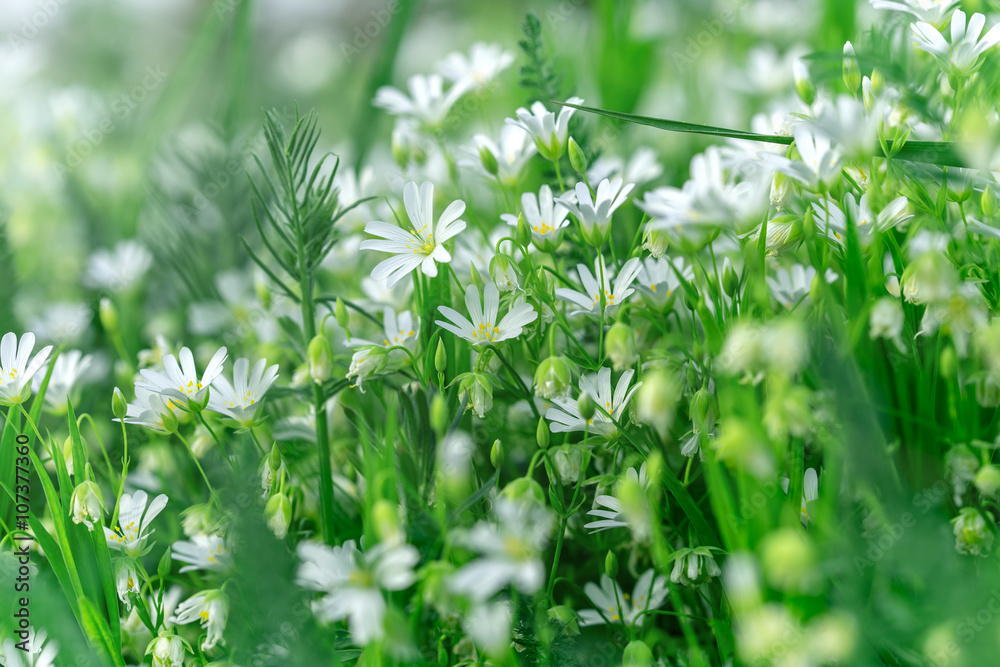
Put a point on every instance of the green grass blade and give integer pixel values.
(941, 153)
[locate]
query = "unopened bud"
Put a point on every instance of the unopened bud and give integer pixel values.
(803, 84)
(489, 161)
(108, 315)
(522, 232)
(989, 202)
(852, 73)
(637, 654)
(440, 357)
(278, 513)
(542, 434)
(611, 565)
(320, 355)
(163, 567)
(119, 406)
(586, 406)
(576, 157)
(730, 281)
(385, 517)
(524, 489)
(496, 454)
(988, 480)
(619, 345)
(552, 378)
(340, 312)
(504, 273)
(439, 414)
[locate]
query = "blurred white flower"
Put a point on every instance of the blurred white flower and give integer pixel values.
(118, 269)
(931, 11)
(511, 153)
(548, 130)
(353, 582)
(640, 169)
(613, 515)
(790, 285)
(211, 608)
(832, 222)
(658, 278)
(819, 162)
(68, 372)
(477, 69)
(589, 300)
(810, 492)
(427, 102)
(204, 551)
(960, 57)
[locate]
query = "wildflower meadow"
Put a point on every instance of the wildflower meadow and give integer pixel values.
(562, 332)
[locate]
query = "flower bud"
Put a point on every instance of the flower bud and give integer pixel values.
(439, 414)
(119, 406)
(278, 513)
(577, 159)
(522, 231)
(340, 312)
(440, 357)
(703, 410)
(566, 617)
(878, 82)
(852, 73)
(585, 404)
(552, 378)
(788, 559)
(385, 517)
(87, 504)
(367, 361)
(127, 581)
(655, 241)
(542, 434)
(166, 562)
(169, 420)
(108, 315)
(489, 161)
(988, 480)
(619, 345)
(693, 567)
(948, 363)
(611, 565)
(656, 400)
(475, 278)
(320, 356)
(989, 202)
(504, 273)
(803, 85)
(568, 462)
(637, 654)
(972, 534)
(524, 489)
(730, 280)
(477, 388)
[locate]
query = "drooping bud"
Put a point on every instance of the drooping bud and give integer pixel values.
(278, 513)
(972, 534)
(637, 654)
(524, 489)
(320, 356)
(619, 345)
(340, 312)
(552, 378)
(477, 388)
(504, 273)
(988, 480)
(87, 504)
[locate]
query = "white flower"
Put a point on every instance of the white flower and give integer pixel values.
(545, 215)
(658, 277)
(67, 371)
(845, 122)
(127, 580)
(241, 399)
(353, 582)
(833, 222)
(960, 57)
(810, 492)
(641, 168)
(819, 162)
(694, 566)
(378, 357)
(149, 409)
(427, 103)
(548, 130)
(181, 381)
(133, 523)
(16, 370)
(87, 504)
(886, 321)
(565, 415)
(589, 301)
(511, 550)
(203, 552)
(479, 68)
(511, 153)
(613, 514)
(211, 608)
(63, 321)
(489, 626)
(931, 11)
(168, 650)
(594, 213)
(41, 653)
(118, 269)
(790, 285)
(484, 327)
(615, 606)
(424, 246)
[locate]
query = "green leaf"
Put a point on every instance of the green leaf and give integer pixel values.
(942, 153)
(98, 633)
